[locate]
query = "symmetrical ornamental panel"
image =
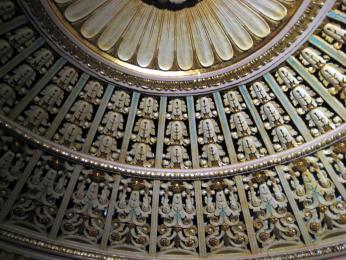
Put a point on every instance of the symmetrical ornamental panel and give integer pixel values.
(75, 204)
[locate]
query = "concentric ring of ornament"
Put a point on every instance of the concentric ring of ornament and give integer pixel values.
(258, 38)
(287, 156)
(200, 37)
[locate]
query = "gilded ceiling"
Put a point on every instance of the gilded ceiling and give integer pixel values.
(110, 147)
(205, 35)
(169, 49)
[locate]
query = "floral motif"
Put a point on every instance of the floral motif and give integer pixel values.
(209, 32)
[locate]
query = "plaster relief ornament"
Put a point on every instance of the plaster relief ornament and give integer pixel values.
(242, 127)
(304, 97)
(133, 209)
(274, 223)
(286, 136)
(332, 75)
(205, 108)
(233, 102)
(112, 124)
(148, 108)
(7, 98)
(241, 122)
(250, 148)
(70, 135)
(176, 136)
(7, 162)
(92, 92)
(210, 132)
(225, 229)
(106, 147)
(145, 131)
(271, 112)
(213, 190)
(21, 38)
(334, 34)
(81, 113)
(141, 154)
(313, 58)
(41, 60)
(66, 78)
(336, 156)
(177, 132)
(213, 156)
(84, 221)
(51, 99)
(7, 10)
(273, 115)
(111, 128)
(120, 102)
(36, 119)
(320, 118)
(177, 157)
(13, 159)
(286, 76)
(323, 211)
(177, 210)
(6, 51)
(177, 110)
(38, 206)
(259, 91)
(21, 78)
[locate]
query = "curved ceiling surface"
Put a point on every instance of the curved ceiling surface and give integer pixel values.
(110, 147)
(165, 50)
(202, 36)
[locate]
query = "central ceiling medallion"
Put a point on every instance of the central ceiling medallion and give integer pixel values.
(212, 33)
(176, 45)
(172, 4)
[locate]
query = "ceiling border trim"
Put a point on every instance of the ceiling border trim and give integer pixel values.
(329, 248)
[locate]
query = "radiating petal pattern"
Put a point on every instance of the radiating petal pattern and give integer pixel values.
(210, 32)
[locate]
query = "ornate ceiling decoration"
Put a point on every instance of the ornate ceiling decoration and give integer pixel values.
(93, 169)
(172, 4)
(204, 46)
(193, 38)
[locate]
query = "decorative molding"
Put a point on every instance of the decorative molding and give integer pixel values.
(286, 42)
(286, 156)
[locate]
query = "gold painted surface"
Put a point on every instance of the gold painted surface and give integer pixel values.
(211, 34)
(125, 73)
(168, 45)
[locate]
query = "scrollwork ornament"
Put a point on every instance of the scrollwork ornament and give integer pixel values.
(178, 213)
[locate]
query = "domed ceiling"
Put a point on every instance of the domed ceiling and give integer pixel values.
(210, 34)
(173, 128)
(178, 47)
